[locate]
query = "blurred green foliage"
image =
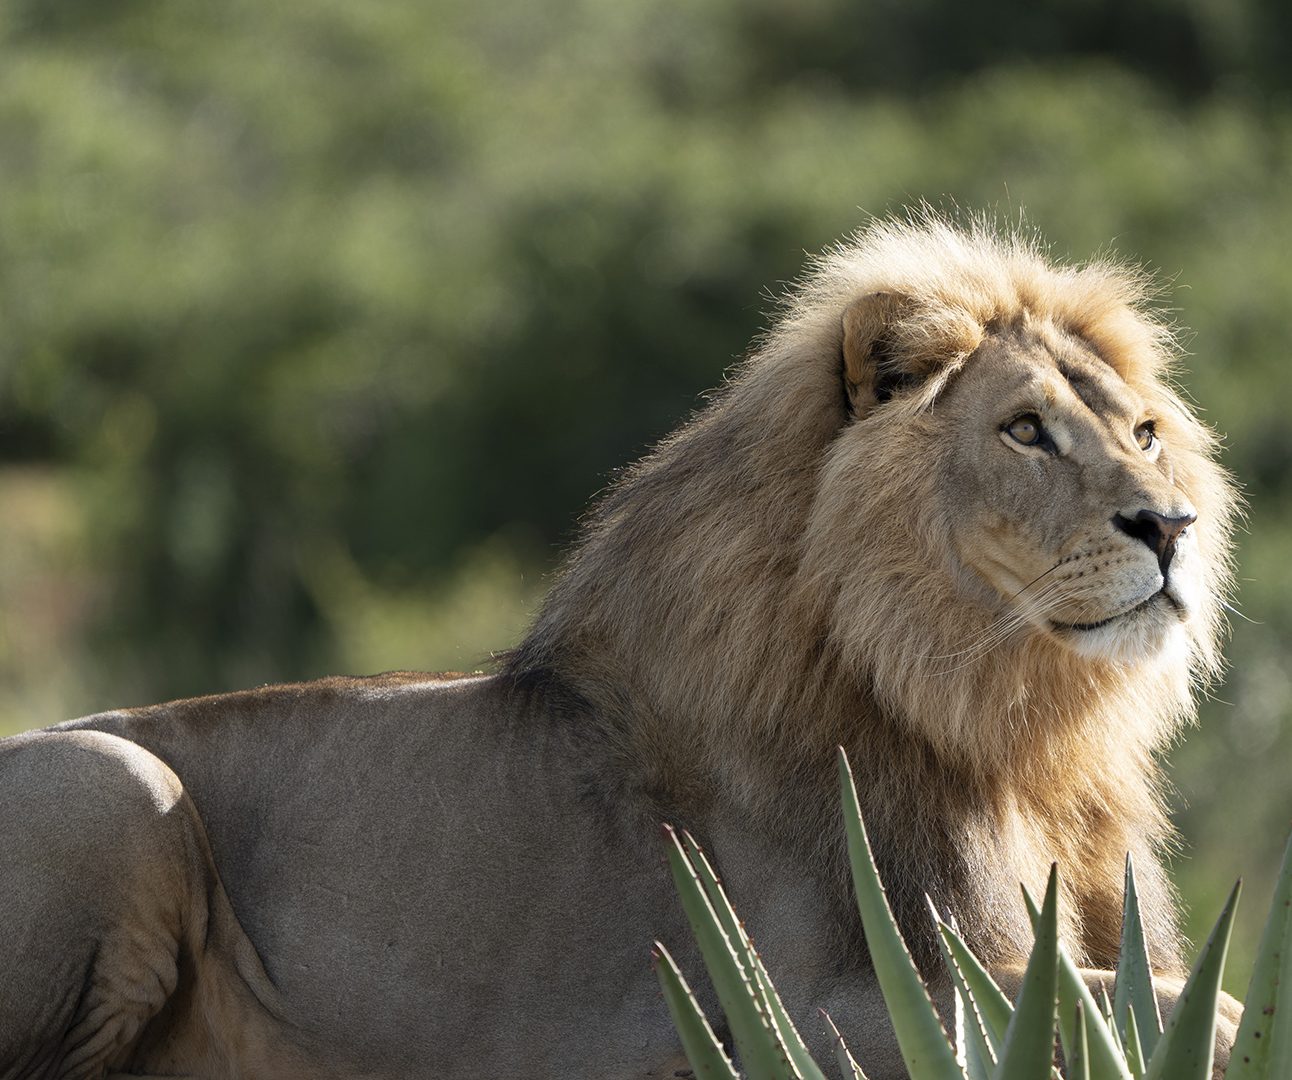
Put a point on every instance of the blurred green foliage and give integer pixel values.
(322, 322)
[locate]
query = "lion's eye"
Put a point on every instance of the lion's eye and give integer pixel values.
(1026, 429)
(1146, 435)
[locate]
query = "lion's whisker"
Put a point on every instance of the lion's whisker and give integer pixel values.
(1005, 624)
(1048, 599)
(1234, 611)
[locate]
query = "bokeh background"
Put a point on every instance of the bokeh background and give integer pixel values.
(320, 323)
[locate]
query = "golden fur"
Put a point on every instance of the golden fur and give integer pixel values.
(773, 580)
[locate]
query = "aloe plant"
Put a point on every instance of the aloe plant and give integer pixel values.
(992, 1037)
(1263, 1047)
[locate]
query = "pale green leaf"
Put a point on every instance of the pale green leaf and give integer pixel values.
(1136, 1059)
(1029, 1040)
(923, 1043)
(703, 1050)
(786, 1032)
(1078, 1056)
(1103, 1048)
(847, 1064)
(991, 1005)
(1187, 1048)
(1263, 1048)
(1133, 990)
(761, 1053)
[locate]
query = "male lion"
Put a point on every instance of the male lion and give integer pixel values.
(949, 515)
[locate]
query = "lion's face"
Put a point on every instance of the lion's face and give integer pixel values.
(1061, 498)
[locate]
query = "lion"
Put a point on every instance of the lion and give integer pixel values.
(949, 514)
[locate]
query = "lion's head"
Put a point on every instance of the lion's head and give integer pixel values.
(1078, 529)
(952, 487)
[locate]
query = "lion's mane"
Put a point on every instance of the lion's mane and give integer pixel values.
(752, 593)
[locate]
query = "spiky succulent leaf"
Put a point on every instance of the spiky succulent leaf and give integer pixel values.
(1078, 1057)
(923, 1043)
(1136, 1059)
(1029, 1040)
(976, 1047)
(708, 1059)
(1103, 1048)
(972, 1051)
(762, 1054)
(1263, 1048)
(847, 1064)
(1187, 1048)
(785, 1030)
(1106, 1011)
(992, 1007)
(1133, 990)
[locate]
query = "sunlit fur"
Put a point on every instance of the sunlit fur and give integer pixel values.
(777, 578)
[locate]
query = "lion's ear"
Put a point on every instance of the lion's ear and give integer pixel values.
(871, 371)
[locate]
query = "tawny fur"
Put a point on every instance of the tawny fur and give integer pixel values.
(749, 595)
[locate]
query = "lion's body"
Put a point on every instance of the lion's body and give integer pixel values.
(474, 894)
(404, 908)
(461, 878)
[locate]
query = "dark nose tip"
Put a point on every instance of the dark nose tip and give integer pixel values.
(1157, 531)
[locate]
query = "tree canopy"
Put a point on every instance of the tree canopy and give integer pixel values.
(321, 323)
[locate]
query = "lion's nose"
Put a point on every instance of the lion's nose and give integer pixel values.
(1156, 530)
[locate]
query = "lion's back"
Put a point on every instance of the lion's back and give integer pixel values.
(405, 834)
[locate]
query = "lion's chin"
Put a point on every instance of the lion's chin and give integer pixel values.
(1149, 630)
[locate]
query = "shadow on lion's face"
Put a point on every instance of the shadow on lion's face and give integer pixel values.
(1062, 496)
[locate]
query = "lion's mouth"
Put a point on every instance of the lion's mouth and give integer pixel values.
(1133, 610)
